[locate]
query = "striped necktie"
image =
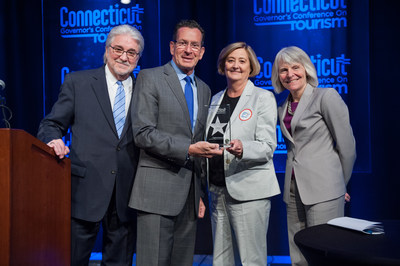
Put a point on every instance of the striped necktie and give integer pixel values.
(119, 108)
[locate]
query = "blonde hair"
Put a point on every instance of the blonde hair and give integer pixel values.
(254, 64)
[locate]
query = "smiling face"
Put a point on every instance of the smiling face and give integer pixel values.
(237, 66)
(121, 66)
(293, 77)
(184, 56)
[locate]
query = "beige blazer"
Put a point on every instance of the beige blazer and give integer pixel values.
(254, 123)
(321, 149)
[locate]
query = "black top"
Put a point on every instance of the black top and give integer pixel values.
(216, 164)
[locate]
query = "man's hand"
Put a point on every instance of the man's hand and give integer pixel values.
(204, 149)
(59, 147)
(202, 209)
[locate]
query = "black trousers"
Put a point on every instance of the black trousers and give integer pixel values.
(118, 239)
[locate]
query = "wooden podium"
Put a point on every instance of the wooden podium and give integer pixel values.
(35, 202)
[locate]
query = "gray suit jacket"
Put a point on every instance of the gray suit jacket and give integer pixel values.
(254, 123)
(322, 149)
(99, 159)
(161, 128)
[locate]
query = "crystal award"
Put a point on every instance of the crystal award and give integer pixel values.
(221, 125)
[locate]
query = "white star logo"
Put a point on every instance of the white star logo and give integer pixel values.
(218, 127)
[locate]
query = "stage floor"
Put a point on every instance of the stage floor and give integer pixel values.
(201, 260)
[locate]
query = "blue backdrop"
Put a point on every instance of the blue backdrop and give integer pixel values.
(75, 33)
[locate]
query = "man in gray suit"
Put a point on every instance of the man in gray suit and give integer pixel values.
(103, 154)
(169, 130)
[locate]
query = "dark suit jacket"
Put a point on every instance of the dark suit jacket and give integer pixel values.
(98, 158)
(161, 128)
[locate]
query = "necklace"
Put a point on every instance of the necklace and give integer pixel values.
(289, 107)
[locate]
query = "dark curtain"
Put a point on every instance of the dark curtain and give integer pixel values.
(21, 62)
(375, 194)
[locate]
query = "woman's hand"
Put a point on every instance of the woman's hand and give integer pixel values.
(347, 197)
(236, 148)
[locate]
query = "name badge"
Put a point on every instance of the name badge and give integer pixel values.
(245, 114)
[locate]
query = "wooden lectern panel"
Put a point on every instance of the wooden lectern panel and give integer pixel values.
(35, 202)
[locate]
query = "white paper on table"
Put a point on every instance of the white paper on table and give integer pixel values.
(364, 226)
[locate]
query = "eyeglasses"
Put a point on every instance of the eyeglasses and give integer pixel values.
(131, 54)
(183, 44)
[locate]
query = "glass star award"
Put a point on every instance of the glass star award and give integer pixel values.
(221, 125)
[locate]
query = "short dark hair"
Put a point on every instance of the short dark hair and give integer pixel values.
(189, 24)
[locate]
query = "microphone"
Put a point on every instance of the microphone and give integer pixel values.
(5, 113)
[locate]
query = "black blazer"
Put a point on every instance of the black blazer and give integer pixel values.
(99, 159)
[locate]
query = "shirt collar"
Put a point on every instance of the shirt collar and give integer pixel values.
(180, 73)
(112, 79)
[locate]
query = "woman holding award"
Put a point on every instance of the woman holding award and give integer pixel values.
(242, 118)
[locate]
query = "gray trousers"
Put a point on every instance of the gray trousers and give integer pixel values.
(239, 229)
(300, 216)
(167, 240)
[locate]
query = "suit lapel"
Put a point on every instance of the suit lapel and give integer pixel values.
(203, 100)
(244, 98)
(99, 86)
(175, 86)
(282, 113)
(302, 106)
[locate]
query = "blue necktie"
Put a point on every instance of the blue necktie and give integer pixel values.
(119, 108)
(189, 98)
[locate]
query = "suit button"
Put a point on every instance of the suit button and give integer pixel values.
(118, 148)
(113, 172)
